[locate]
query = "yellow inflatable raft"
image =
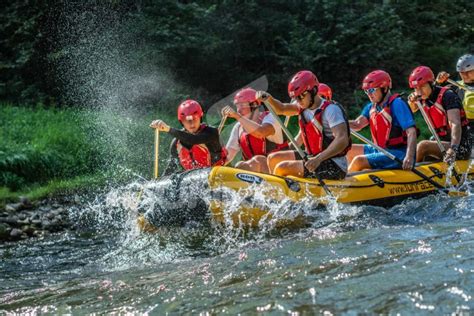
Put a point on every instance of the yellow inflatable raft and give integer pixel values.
(374, 187)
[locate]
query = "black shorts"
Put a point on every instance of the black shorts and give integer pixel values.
(464, 151)
(328, 169)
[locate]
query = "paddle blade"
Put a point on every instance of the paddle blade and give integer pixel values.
(454, 193)
(144, 226)
(213, 114)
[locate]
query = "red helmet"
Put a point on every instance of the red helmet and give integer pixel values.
(377, 79)
(189, 110)
(246, 95)
(324, 91)
(303, 81)
(419, 76)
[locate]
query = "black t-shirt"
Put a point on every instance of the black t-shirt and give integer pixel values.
(450, 99)
(208, 136)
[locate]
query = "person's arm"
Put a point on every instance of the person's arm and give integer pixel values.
(359, 123)
(257, 130)
(363, 119)
(173, 162)
(232, 145)
(411, 148)
(287, 109)
(192, 139)
(340, 142)
(454, 119)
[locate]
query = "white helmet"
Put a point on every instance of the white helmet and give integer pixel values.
(465, 63)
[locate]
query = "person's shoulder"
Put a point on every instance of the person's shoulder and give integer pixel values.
(451, 98)
(211, 129)
(399, 102)
(449, 94)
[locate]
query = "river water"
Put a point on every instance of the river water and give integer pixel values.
(414, 258)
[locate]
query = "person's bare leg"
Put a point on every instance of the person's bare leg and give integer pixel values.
(359, 163)
(275, 158)
(356, 150)
(290, 168)
(256, 164)
(427, 148)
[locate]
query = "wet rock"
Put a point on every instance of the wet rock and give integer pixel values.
(22, 216)
(12, 208)
(5, 230)
(11, 220)
(16, 233)
(45, 208)
(35, 216)
(25, 221)
(27, 229)
(36, 222)
(59, 211)
(50, 215)
(25, 202)
(46, 224)
(4, 214)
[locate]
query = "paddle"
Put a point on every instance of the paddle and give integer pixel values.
(435, 135)
(141, 221)
(415, 171)
(287, 121)
(157, 152)
(221, 124)
(298, 148)
(461, 86)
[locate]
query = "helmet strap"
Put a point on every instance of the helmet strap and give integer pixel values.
(384, 94)
(313, 92)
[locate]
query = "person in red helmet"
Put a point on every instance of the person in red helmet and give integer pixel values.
(324, 129)
(197, 145)
(324, 91)
(446, 113)
(391, 124)
(256, 133)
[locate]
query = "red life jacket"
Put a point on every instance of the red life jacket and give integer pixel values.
(383, 132)
(438, 116)
(253, 146)
(313, 136)
(198, 156)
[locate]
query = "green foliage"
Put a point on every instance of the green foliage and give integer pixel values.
(210, 48)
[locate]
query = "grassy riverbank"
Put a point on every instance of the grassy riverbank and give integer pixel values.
(48, 151)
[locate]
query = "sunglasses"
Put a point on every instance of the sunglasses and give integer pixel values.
(370, 91)
(302, 96)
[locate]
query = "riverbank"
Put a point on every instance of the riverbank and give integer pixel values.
(26, 218)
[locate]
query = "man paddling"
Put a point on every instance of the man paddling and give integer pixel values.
(465, 68)
(446, 113)
(324, 129)
(197, 145)
(256, 133)
(391, 124)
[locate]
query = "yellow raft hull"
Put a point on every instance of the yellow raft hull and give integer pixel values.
(378, 187)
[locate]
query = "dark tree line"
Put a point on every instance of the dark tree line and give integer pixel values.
(57, 52)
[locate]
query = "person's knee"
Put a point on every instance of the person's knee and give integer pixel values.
(359, 163)
(282, 168)
(421, 149)
(273, 159)
(244, 165)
